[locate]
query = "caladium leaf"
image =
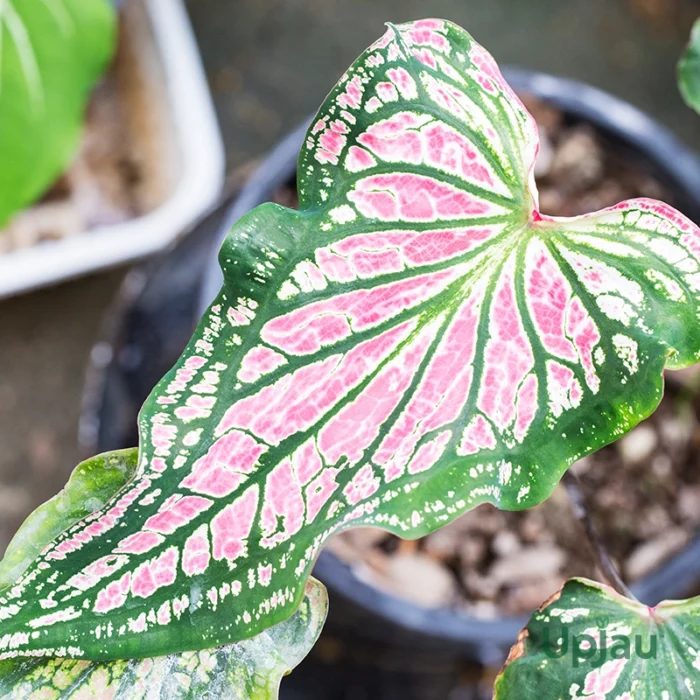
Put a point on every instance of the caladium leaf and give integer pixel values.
(416, 340)
(689, 70)
(588, 642)
(249, 670)
(51, 54)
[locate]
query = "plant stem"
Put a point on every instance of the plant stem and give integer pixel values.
(602, 558)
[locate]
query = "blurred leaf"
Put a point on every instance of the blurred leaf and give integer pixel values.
(51, 53)
(689, 70)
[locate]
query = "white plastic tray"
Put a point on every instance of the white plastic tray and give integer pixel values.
(194, 158)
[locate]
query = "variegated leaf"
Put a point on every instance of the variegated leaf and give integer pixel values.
(249, 670)
(416, 340)
(588, 642)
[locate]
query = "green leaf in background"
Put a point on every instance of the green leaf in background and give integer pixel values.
(51, 54)
(415, 340)
(588, 642)
(249, 670)
(92, 483)
(689, 70)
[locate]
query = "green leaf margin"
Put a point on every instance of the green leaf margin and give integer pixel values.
(92, 483)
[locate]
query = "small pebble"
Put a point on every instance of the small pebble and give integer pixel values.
(505, 543)
(689, 503)
(578, 157)
(480, 586)
(443, 543)
(533, 526)
(528, 564)
(652, 521)
(581, 466)
(484, 610)
(647, 556)
(532, 594)
(421, 580)
(638, 444)
(472, 550)
(662, 466)
(677, 431)
(543, 163)
(488, 520)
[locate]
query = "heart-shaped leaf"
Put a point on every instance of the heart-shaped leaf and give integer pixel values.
(51, 53)
(689, 70)
(588, 642)
(416, 340)
(249, 670)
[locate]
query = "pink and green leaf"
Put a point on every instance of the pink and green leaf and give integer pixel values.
(415, 340)
(588, 642)
(249, 670)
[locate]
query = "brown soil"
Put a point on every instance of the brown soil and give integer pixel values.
(579, 170)
(644, 491)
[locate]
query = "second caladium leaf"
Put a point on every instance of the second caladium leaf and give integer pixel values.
(416, 340)
(588, 642)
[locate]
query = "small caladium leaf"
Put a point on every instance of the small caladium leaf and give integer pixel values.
(689, 70)
(249, 670)
(588, 642)
(416, 340)
(92, 483)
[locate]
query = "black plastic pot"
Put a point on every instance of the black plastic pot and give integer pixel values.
(160, 305)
